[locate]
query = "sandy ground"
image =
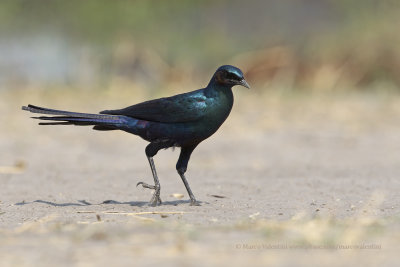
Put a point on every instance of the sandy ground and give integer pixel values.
(315, 173)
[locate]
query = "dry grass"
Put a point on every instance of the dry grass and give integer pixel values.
(151, 240)
(98, 236)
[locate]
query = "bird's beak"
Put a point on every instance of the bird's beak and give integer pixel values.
(244, 83)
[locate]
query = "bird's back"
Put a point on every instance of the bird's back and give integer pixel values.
(185, 118)
(182, 108)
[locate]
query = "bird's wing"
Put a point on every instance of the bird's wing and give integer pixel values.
(179, 108)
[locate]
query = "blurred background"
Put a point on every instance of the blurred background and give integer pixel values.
(309, 156)
(313, 45)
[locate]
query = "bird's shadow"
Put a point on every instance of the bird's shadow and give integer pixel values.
(82, 203)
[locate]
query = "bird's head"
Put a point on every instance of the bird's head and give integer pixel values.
(230, 75)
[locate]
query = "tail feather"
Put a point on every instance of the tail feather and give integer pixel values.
(40, 110)
(104, 127)
(55, 123)
(110, 122)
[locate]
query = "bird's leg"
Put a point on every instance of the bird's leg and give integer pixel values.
(193, 201)
(151, 151)
(181, 167)
(155, 199)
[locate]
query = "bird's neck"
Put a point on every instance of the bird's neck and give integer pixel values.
(215, 88)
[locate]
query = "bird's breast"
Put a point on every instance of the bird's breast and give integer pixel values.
(218, 110)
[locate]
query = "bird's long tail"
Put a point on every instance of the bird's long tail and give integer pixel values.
(100, 121)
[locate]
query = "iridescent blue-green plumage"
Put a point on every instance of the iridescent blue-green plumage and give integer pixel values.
(182, 120)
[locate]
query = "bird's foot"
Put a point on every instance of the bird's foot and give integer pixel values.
(149, 186)
(194, 202)
(155, 199)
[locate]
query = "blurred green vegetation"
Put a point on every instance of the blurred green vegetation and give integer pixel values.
(305, 45)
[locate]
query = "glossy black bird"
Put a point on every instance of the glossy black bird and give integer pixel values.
(182, 120)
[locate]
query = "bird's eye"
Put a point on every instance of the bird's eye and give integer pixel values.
(232, 76)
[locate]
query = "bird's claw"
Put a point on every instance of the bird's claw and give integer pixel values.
(145, 185)
(194, 202)
(155, 199)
